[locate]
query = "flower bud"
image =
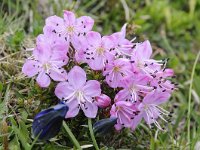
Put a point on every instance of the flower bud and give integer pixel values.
(48, 122)
(103, 101)
(104, 126)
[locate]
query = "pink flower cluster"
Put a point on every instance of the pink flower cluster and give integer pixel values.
(140, 83)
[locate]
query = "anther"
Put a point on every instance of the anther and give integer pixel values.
(170, 115)
(154, 87)
(156, 71)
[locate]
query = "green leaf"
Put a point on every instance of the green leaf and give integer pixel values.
(21, 134)
(14, 144)
(1, 86)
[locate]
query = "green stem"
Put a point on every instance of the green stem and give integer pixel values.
(189, 98)
(72, 137)
(92, 134)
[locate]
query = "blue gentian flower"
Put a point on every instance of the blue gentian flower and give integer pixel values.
(47, 123)
(104, 126)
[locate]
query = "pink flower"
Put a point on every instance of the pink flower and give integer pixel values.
(78, 93)
(150, 110)
(117, 70)
(46, 63)
(80, 49)
(134, 87)
(141, 59)
(161, 81)
(70, 28)
(103, 101)
(56, 43)
(124, 112)
(97, 51)
(122, 46)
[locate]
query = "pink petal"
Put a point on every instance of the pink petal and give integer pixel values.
(40, 38)
(115, 37)
(137, 119)
(122, 95)
(114, 80)
(107, 42)
(90, 109)
(157, 97)
(77, 77)
(92, 88)
(144, 50)
(93, 38)
(60, 47)
(69, 17)
(151, 117)
(126, 119)
(42, 52)
(118, 126)
(123, 31)
(58, 76)
(54, 21)
(59, 58)
(85, 24)
(29, 69)
(43, 80)
(103, 101)
(126, 50)
(49, 35)
(168, 73)
(73, 108)
(63, 90)
(98, 63)
(79, 42)
(79, 56)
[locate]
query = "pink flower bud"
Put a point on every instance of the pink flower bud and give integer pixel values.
(103, 101)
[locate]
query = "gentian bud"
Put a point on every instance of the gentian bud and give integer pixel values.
(104, 126)
(47, 123)
(103, 101)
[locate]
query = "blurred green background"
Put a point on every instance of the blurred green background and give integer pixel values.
(173, 27)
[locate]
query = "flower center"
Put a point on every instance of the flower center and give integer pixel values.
(133, 93)
(46, 66)
(80, 96)
(145, 107)
(118, 108)
(133, 88)
(140, 64)
(70, 29)
(116, 69)
(100, 50)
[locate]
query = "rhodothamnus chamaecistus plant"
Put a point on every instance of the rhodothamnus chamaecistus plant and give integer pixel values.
(138, 83)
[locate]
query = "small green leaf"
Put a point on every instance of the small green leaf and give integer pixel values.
(1, 86)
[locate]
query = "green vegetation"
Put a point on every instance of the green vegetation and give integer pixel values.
(173, 27)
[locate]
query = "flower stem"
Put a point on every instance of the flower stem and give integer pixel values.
(72, 137)
(92, 134)
(189, 98)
